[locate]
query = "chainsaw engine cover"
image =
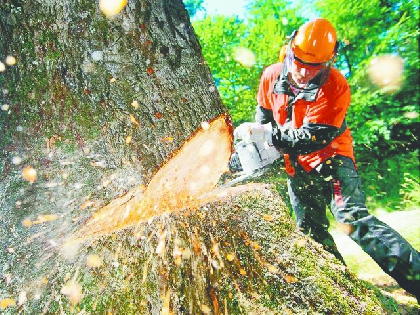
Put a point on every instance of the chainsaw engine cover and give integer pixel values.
(254, 156)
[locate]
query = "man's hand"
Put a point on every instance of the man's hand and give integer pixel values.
(253, 132)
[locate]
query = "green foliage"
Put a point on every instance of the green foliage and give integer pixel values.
(392, 183)
(232, 80)
(270, 22)
(410, 191)
(373, 28)
(263, 33)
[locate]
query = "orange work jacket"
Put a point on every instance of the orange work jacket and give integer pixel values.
(324, 106)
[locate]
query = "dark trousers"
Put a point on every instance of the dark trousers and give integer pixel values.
(336, 184)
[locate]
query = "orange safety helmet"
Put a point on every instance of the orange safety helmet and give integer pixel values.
(315, 42)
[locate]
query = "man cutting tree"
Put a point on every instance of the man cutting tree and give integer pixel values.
(302, 105)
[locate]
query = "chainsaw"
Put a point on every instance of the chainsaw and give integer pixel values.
(249, 159)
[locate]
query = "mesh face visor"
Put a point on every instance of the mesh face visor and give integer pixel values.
(303, 75)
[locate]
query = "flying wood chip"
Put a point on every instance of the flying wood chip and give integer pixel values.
(183, 182)
(5, 303)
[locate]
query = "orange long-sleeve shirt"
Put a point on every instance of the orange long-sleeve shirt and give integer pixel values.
(326, 106)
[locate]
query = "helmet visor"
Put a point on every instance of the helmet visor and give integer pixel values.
(300, 73)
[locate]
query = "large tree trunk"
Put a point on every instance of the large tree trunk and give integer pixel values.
(86, 81)
(96, 106)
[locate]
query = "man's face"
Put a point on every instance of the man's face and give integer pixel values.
(302, 73)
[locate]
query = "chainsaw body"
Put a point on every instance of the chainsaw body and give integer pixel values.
(253, 156)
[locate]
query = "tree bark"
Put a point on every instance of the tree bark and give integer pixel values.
(96, 106)
(90, 81)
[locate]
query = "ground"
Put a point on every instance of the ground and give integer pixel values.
(407, 223)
